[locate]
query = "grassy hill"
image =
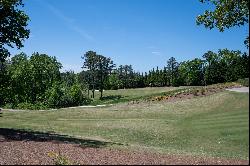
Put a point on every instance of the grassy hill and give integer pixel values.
(124, 95)
(215, 125)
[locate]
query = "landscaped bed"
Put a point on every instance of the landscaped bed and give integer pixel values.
(44, 153)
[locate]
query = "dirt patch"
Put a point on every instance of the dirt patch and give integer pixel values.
(37, 153)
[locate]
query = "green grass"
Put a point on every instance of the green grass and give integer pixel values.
(215, 125)
(124, 95)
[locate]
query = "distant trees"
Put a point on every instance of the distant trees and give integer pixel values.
(13, 23)
(90, 63)
(36, 82)
(225, 66)
(104, 68)
(172, 67)
(126, 76)
(98, 67)
(191, 72)
(218, 67)
(227, 13)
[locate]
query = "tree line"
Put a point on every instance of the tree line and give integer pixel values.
(224, 66)
(36, 81)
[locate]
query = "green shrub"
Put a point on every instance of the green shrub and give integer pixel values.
(53, 96)
(9, 106)
(61, 95)
(244, 82)
(26, 105)
(76, 94)
(59, 159)
(203, 90)
(40, 106)
(195, 92)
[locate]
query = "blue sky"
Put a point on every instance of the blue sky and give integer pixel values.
(143, 33)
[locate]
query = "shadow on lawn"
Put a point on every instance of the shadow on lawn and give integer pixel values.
(26, 135)
(112, 97)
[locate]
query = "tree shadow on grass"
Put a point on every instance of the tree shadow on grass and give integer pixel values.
(112, 97)
(28, 135)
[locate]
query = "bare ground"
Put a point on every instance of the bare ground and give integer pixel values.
(37, 153)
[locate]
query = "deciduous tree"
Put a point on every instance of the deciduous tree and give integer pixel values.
(227, 14)
(13, 26)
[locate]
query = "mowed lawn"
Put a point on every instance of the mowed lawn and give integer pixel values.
(215, 125)
(123, 95)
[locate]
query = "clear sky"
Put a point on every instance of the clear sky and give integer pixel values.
(143, 33)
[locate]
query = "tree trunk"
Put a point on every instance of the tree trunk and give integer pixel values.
(88, 92)
(93, 91)
(101, 90)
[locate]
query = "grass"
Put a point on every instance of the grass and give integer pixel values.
(124, 95)
(215, 125)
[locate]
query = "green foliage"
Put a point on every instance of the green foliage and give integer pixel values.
(54, 96)
(9, 106)
(99, 67)
(244, 82)
(226, 66)
(44, 72)
(172, 67)
(77, 94)
(38, 80)
(13, 23)
(227, 13)
(69, 78)
(191, 72)
(59, 159)
(25, 105)
(195, 92)
(30, 106)
(203, 91)
(60, 95)
(36, 83)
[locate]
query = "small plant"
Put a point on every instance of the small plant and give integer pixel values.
(26, 105)
(9, 106)
(203, 90)
(59, 159)
(195, 92)
(244, 82)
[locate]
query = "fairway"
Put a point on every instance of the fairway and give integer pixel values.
(123, 95)
(215, 125)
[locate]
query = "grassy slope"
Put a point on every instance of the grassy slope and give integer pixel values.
(215, 125)
(123, 95)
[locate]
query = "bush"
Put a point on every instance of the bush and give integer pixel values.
(244, 82)
(26, 106)
(61, 95)
(203, 90)
(195, 92)
(76, 94)
(40, 106)
(59, 159)
(9, 106)
(53, 96)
